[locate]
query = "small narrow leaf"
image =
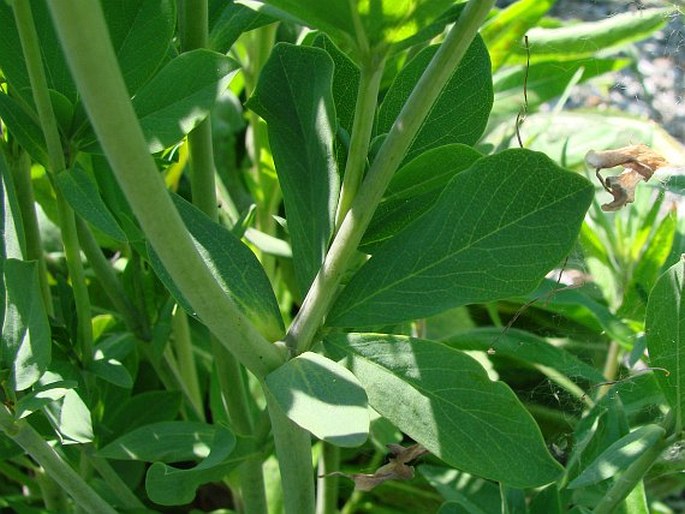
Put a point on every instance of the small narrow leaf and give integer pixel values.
(24, 127)
(295, 98)
(42, 396)
(322, 397)
(233, 265)
(26, 340)
(444, 400)
(71, 418)
(228, 20)
(665, 326)
(494, 232)
(617, 457)
(80, 190)
(460, 113)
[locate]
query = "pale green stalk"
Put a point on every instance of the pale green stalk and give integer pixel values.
(194, 23)
(344, 247)
(183, 348)
(362, 127)
(89, 53)
(60, 471)
(327, 484)
(294, 451)
(127, 499)
(67, 221)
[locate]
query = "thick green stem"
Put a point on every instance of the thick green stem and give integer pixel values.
(327, 484)
(34, 445)
(344, 247)
(20, 168)
(34, 65)
(93, 63)
(294, 452)
(365, 110)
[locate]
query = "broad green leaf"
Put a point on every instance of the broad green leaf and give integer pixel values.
(81, 191)
(648, 268)
(473, 494)
(322, 397)
(453, 508)
(228, 20)
(166, 485)
(431, 30)
(665, 326)
(460, 113)
(414, 189)
(506, 29)
(295, 98)
(141, 32)
(24, 127)
(546, 80)
(112, 371)
(444, 400)
(525, 347)
(345, 81)
(71, 418)
(494, 232)
(166, 441)
(180, 96)
(234, 266)
(26, 341)
(619, 455)
(590, 37)
(42, 396)
(11, 227)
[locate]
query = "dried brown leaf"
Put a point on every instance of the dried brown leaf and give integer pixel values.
(395, 469)
(639, 163)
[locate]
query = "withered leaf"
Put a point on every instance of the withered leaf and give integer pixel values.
(395, 469)
(639, 163)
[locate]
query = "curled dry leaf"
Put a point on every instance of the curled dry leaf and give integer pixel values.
(639, 163)
(396, 469)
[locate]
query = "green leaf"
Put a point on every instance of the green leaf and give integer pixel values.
(414, 189)
(444, 400)
(26, 341)
(143, 409)
(323, 397)
(81, 191)
(494, 232)
(473, 495)
(345, 81)
(547, 501)
(460, 113)
(546, 80)
(648, 268)
(71, 418)
(41, 396)
(378, 23)
(294, 96)
(513, 500)
(665, 326)
(24, 127)
(525, 347)
(167, 441)
(180, 96)
(11, 225)
(141, 32)
(166, 485)
(228, 20)
(234, 266)
(506, 29)
(619, 455)
(590, 37)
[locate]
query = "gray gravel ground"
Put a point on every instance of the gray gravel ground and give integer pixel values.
(653, 88)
